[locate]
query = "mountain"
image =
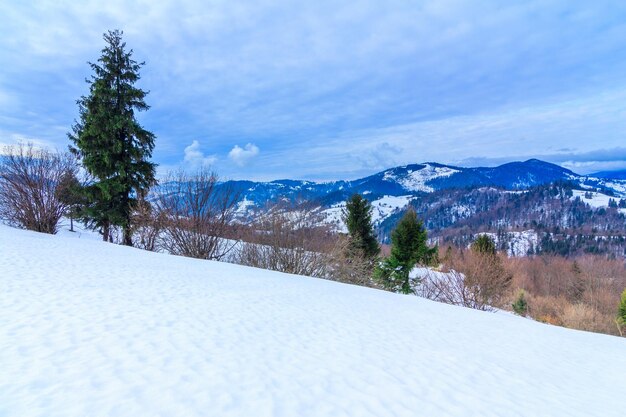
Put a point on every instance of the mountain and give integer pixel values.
(614, 175)
(415, 180)
(95, 329)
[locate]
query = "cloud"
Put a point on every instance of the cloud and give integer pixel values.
(336, 89)
(241, 156)
(196, 158)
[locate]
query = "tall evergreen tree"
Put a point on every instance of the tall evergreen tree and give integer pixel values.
(111, 144)
(409, 247)
(358, 219)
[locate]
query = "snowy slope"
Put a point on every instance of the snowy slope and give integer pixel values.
(94, 329)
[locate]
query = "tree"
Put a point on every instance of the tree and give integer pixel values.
(70, 192)
(484, 244)
(520, 306)
(111, 144)
(621, 313)
(409, 246)
(358, 219)
(29, 179)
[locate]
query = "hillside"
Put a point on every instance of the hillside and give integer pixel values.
(90, 328)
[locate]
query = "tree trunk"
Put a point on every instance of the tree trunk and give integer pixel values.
(106, 232)
(128, 241)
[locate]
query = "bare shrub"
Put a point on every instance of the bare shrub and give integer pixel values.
(470, 278)
(581, 316)
(288, 240)
(147, 224)
(29, 178)
(196, 214)
(547, 309)
(348, 268)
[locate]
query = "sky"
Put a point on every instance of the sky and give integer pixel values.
(325, 90)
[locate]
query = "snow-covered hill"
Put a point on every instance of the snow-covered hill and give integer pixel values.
(94, 329)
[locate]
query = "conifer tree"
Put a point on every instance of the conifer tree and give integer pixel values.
(409, 247)
(484, 244)
(112, 146)
(70, 192)
(358, 219)
(621, 313)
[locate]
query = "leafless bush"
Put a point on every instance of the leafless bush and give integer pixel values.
(347, 268)
(288, 239)
(580, 293)
(28, 181)
(147, 226)
(470, 279)
(196, 214)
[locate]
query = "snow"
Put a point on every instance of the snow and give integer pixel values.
(519, 243)
(382, 208)
(95, 329)
(597, 200)
(416, 180)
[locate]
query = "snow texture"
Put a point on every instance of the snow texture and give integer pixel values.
(416, 180)
(95, 329)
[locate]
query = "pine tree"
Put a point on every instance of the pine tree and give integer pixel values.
(358, 219)
(112, 146)
(484, 244)
(621, 312)
(409, 247)
(520, 306)
(70, 192)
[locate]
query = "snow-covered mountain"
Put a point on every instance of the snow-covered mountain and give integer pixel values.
(95, 329)
(391, 190)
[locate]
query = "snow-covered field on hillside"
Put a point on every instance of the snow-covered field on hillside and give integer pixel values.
(94, 329)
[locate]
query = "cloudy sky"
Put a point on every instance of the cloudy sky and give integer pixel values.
(333, 89)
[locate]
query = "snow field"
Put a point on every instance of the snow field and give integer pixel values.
(94, 329)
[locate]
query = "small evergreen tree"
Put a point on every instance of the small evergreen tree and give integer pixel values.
(621, 313)
(111, 144)
(357, 217)
(520, 306)
(484, 244)
(70, 192)
(409, 247)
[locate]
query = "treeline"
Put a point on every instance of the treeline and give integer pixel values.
(565, 225)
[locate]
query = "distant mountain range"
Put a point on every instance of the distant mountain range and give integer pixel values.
(616, 175)
(529, 207)
(417, 179)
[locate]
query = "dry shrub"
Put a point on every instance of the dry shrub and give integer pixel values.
(288, 240)
(580, 293)
(472, 279)
(581, 316)
(147, 226)
(196, 215)
(29, 178)
(347, 268)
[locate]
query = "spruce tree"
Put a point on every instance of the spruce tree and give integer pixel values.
(621, 311)
(358, 219)
(112, 146)
(409, 247)
(484, 244)
(70, 192)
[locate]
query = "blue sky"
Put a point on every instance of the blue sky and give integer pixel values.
(331, 89)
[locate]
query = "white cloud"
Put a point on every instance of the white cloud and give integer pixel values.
(241, 156)
(196, 158)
